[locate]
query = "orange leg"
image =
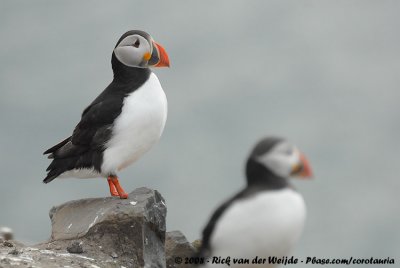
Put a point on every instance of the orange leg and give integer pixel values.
(113, 190)
(121, 192)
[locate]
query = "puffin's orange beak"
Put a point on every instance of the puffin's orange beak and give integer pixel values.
(164, 60)
(306, 171)
(303, 169)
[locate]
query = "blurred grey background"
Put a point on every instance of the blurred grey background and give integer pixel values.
(324, 74)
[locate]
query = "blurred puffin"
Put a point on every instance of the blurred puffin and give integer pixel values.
(123, 122)
(267, 217)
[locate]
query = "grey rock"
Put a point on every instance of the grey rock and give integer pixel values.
(197, 244)
(6, 233)
(106, 232)
(76, 219)
(14, 252)
(5, 261)
(133, 229)
(177, 246)
(75, 247)
(8, 244)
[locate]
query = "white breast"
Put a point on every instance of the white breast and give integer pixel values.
(268, 224)
(138, 127)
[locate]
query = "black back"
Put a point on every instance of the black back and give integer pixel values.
(84, 148)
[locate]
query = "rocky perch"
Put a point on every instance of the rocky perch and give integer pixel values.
(104, 232)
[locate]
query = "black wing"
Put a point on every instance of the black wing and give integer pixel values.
(84, 148)
(205, 249)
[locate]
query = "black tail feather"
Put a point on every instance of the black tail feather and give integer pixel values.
(90, 159)
(59, 166)
(57, 146)
(51, 176)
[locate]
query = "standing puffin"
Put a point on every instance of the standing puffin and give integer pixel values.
(267, 217)
(123, 122)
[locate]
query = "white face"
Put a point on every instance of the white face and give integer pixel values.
(281, 159)
(134, 51)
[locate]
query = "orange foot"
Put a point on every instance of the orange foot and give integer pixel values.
(115, 187)
(113, 190)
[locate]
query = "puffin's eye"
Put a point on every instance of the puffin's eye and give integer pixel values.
(288, 151)
(137, 43)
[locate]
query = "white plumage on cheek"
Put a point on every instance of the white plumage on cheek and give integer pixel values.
(138, 127)
(129, 55)
(279, 161)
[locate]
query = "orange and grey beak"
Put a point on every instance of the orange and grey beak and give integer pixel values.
(302, 169)
(159, 57)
